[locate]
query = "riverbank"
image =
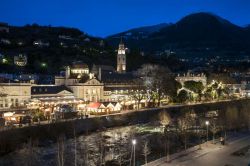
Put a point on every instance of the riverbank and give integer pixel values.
(13, 139)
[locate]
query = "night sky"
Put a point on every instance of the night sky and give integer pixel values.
(105, 17)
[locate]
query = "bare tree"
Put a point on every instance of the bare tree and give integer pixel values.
(86, 151)
(75, 147)
(121, 152)
(100, 150)
(186, 120)
(232, 117)
(214, 128)
(146, 151)
(29, 155)
(60, 150)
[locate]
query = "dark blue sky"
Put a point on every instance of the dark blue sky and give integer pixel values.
(105, 17)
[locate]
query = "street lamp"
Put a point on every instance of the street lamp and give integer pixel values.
(168, 157)
(134, 143)
(207, 124)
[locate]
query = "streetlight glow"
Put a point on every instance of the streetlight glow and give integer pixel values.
(134, 141)
(207, 123)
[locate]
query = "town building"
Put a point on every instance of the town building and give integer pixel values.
(14, 95)
(20, 60)
(103, 83)
(192, 77)
(76, 87)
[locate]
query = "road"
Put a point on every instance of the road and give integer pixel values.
(210, 155)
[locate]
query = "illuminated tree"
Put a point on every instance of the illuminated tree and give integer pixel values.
(182, 96)
(159, 81)
(221, 77)
(164, 118)
(137, 92)
(195, 87)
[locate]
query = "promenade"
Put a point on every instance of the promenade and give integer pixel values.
(212, 154)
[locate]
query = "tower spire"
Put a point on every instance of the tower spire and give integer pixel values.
(121, 42)
(121, 58)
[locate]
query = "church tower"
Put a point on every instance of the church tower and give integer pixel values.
(121, 58)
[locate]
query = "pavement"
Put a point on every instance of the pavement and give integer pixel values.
(210, 154)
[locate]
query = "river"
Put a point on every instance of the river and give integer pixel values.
(112, 146)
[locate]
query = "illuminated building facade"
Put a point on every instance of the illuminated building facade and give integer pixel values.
(192, 77)
(14, 95)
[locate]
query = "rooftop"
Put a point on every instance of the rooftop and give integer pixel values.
(47, 89)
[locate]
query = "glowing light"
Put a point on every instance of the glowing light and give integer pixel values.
(43, 64)
(134, 141)
(4, 60)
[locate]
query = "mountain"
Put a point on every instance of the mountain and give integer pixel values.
(54, 46)
(141, 31)
(135, 34)
(199, 30)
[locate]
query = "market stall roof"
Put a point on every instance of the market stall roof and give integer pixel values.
(94, 105)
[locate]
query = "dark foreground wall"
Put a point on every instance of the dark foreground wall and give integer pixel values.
(12, 139)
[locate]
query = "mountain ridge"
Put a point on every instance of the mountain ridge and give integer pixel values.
(195, 30)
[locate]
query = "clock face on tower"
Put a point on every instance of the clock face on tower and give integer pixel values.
(121, 51)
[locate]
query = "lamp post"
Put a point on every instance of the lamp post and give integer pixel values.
(134, 143)
(207, 123)
(168, 157)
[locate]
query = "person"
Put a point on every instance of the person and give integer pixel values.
(222, 141)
